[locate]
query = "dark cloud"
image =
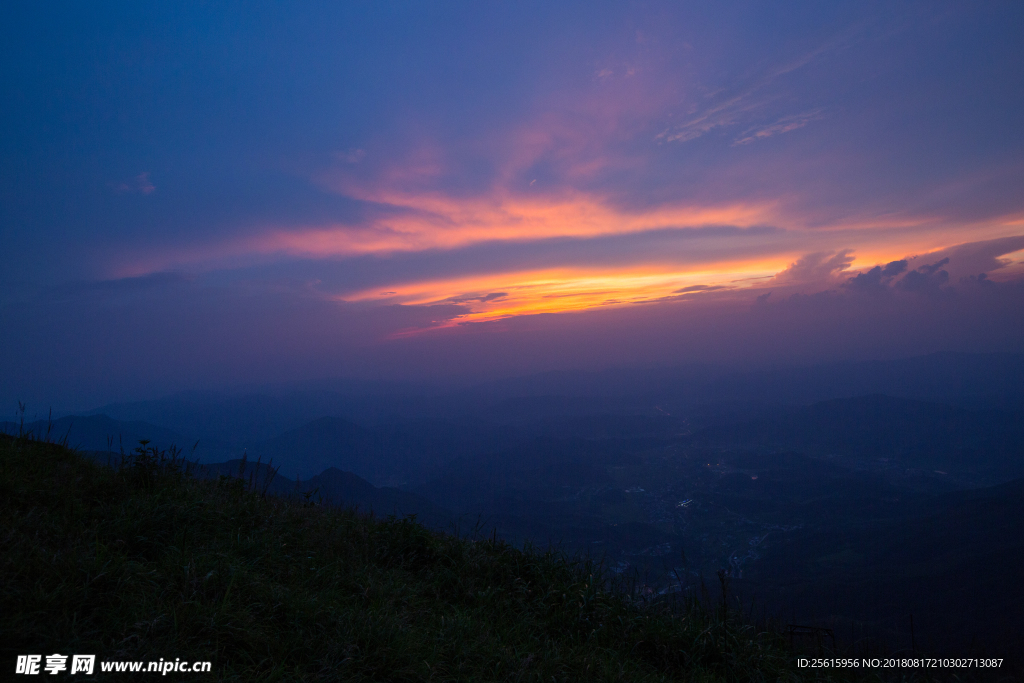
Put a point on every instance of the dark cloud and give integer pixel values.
(932, 268)
(877, 279)
(929, 280)
(979, 280)
(972, 258)
(931, 274)
(894, 268)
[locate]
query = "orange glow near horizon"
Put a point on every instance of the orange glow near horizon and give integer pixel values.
(563, 290)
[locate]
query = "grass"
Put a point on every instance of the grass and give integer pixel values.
(143, 562)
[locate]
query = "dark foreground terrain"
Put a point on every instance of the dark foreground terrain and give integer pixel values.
(143, 562)
(889, 520)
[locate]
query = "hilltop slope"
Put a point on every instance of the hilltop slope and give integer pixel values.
(143, 563)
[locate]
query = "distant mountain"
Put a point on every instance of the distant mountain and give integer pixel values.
(916, 433)
(322, 444)
(333, 487)
(238, 420)
(390, 454)
(993, 380)
(103, 433)
(241, 420)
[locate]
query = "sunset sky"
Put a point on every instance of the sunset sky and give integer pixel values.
(220, 194)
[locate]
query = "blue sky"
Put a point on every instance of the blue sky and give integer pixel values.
(201, 195)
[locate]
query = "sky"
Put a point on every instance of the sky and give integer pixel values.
(203, 195)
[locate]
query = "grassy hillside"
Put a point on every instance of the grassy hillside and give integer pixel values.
(145, 562)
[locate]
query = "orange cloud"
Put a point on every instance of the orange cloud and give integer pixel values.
(501, 295)
(434, 221)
